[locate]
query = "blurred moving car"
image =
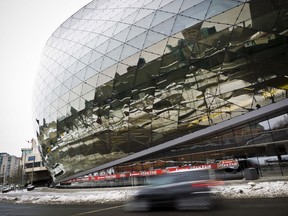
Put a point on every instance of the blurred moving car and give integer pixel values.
(6, 189)
(189, 190)
(30, 187)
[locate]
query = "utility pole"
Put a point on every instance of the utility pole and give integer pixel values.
(32, 171)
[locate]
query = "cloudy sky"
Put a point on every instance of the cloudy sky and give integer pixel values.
(25, 26)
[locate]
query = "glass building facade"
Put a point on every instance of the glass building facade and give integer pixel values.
(123, 83)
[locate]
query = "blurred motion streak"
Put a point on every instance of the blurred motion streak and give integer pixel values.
(184, 190)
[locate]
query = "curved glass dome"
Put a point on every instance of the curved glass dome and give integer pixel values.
(121, 76)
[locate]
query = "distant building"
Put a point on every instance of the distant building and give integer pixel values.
(32, 166)
(9, 166)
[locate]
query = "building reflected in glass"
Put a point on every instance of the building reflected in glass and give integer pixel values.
(119, 81)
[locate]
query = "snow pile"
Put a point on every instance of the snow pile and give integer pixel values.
(58, 196)
(52, 197)
(253, 190)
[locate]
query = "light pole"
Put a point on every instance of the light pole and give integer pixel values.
(32, 171)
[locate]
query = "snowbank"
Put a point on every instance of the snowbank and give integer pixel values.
(253, 190)
(52, 197)
(58, 196)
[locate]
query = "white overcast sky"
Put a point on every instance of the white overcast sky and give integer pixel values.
(25, 26)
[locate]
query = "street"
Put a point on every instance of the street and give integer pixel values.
(245, 207)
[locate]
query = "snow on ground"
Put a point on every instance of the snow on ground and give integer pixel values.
(253, 190)
(103, 195)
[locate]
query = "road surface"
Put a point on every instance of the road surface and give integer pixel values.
(244, 207)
